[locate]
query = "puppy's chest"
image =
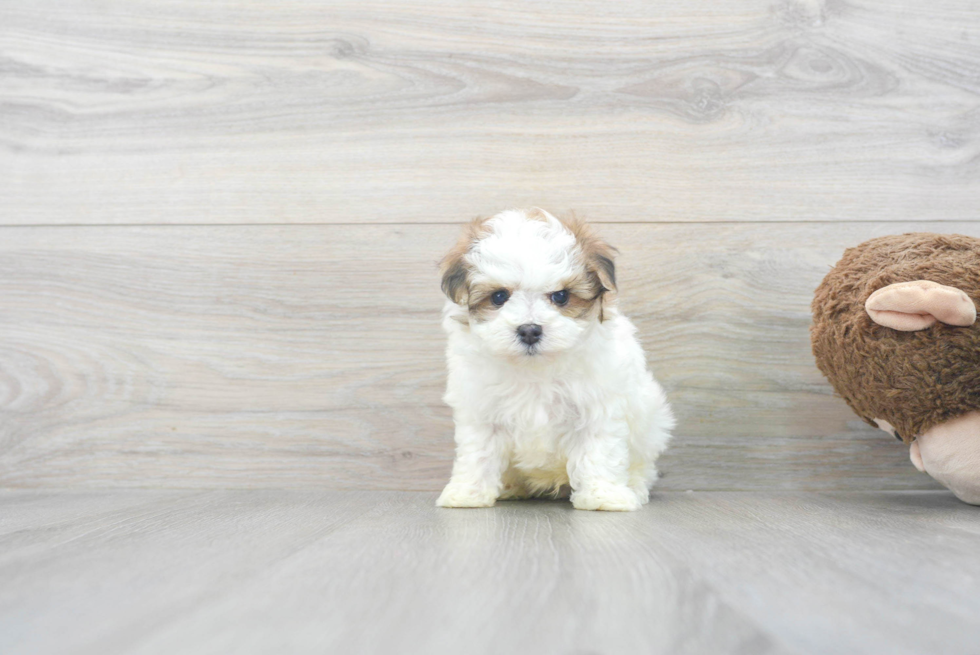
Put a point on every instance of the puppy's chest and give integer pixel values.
(536, 417)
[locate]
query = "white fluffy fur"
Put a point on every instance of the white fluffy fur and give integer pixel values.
(580, 409)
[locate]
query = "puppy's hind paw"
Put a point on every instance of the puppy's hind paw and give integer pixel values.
(607, 497)
(514, 492)
(462, 495)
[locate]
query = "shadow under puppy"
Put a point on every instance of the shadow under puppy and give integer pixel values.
(547, 381)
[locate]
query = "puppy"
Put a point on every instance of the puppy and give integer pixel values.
(547, 381)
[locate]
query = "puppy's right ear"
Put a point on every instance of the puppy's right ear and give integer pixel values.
(455, 270)
(455, 277)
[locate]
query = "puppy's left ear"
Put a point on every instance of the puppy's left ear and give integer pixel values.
(601, 263)
(599, 257)
(598, 254)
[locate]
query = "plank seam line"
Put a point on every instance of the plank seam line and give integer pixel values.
(409, 224)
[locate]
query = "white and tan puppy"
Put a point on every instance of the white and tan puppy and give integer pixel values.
(547, 381)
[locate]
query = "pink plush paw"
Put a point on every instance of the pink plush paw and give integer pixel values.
(950, 452)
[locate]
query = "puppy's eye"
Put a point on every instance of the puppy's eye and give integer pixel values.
(499, 297)
(560, 297)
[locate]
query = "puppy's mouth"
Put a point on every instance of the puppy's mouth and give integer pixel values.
(531, 350)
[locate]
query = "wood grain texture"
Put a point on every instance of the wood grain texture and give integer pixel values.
(354, 111)
(305, 356)
(369, 572)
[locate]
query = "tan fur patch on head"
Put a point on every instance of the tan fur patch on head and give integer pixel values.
(480, 305)
(585, 294)
(581, 308)
(455, 272)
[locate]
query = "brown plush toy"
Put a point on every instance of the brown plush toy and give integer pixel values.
(895, 332)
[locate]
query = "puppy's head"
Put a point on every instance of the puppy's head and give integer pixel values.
(526, 283)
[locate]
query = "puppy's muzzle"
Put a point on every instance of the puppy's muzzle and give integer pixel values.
(529, 333)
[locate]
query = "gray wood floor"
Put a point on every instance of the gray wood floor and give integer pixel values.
(265, 571)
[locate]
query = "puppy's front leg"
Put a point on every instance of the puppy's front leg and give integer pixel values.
(598, 471)
(477, 471)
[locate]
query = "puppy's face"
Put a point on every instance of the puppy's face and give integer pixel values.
(527, 284)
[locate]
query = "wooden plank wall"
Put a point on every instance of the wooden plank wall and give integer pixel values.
(219, 221)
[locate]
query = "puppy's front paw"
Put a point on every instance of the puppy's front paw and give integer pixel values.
(457, 494)
(606, 497)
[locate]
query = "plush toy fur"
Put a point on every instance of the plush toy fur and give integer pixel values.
(912, 380)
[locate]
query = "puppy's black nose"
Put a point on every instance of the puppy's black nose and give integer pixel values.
(530, 333)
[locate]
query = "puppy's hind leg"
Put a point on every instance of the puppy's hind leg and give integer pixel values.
(477, 470)
(514, 486)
